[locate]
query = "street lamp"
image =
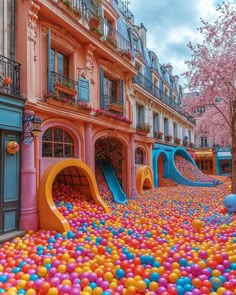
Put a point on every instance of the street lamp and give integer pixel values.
(32, 124)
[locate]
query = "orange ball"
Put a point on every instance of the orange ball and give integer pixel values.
(197, 224)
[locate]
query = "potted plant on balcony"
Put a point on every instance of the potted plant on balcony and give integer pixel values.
(7, 81)
(143, 128)
(94, 21)
(111, 40)
(169, 137)
(116, 106)
(178, 140)
(65, 87)
(159, 135)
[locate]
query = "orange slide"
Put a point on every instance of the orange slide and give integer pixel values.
(49, 216)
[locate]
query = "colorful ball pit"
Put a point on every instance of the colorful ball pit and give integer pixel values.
(189, 171)
(170, 240)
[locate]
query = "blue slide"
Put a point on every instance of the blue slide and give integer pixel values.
(113, 183)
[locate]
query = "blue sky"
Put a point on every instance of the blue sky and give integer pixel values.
(170, 25)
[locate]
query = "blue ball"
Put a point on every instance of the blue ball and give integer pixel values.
(3, 278)
(120, 273)
(230, 203)
(155, 276)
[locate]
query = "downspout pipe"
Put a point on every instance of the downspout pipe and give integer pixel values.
(13, 21)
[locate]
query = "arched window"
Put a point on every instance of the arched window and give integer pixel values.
(139, 157)
(57, 143)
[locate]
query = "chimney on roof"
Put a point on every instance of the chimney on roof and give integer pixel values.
(176, 77)
(168, 68)
(142, 31)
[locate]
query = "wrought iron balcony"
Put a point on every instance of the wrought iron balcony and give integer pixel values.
(62, 85)
(112, 104)
(9, 76)
(102, 28)
(148, 85)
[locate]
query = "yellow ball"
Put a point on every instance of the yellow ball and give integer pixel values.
(153, 286)
(108, 276)
(21, 284)
(141, 286)
(97, 291)
(173, 277)
(30, 292)
(66, 282)
(62, 268)
(129, 282)
(42, 271)
(53, 291)
(88, 289)
(12, 291)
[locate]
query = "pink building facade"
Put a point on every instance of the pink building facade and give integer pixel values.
(85, 83)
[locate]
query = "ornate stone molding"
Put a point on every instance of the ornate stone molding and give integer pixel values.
(87, 71)
(32, 20)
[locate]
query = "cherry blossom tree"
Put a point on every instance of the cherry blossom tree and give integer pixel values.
(211, 81)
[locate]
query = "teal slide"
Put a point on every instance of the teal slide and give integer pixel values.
(113, 183)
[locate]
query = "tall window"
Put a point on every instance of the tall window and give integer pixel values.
(175, 130)
(156, 123)
(57, 143)
(140, 113)
(110, 88)
(59, 62)
(166, 127)
(189, 136)
(204, 142)
(139, 157)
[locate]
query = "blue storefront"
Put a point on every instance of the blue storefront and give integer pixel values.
(223, 161)
(11, 114)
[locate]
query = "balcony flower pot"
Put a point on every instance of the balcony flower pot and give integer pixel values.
(65, 89)
(178, 140)
(115, 107)
(94, 22)
(169, 138)
(7, 81)
(159, 135)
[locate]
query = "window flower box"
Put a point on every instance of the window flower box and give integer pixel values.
(112, 117)
(68, 103)
(65, 89)
(143, 128)
(117, 107)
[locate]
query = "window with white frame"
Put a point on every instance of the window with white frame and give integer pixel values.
(140, 113)
(156, 123)
(139, 157)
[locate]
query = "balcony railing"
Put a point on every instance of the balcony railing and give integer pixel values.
(126, 12)
(62, 85)
(9, 76)
(110, 34)
(158, 93)
(104, 30)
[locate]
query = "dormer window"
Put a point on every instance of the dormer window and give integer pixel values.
(135, 44)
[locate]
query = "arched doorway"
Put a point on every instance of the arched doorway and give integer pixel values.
(110, 172)
(160, 166)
